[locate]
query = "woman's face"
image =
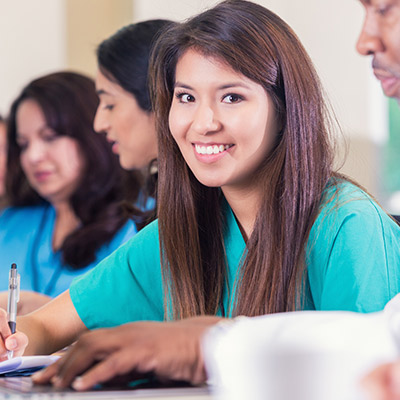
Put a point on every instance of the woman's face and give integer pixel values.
(223, 123)
(3, 157)
(53, 164)
(130, 128)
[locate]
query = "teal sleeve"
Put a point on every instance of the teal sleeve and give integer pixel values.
(124, 287)
(353, 256)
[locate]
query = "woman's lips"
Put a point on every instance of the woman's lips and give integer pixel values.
(211, 152)
(41, 176)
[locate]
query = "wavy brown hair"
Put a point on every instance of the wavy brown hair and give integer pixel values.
(103, 201)
(258, 44)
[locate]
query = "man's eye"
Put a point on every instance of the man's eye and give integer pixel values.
(383, 10)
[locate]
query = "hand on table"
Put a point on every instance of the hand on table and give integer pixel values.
(16, 342)
(383, 383)
(171, 350)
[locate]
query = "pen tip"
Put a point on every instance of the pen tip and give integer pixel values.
(14, 266)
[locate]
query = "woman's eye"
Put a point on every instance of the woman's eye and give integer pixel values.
(22, 145)
(185, 97)
(232, 98)
(50, 138)
(109, 107)
(49, 135)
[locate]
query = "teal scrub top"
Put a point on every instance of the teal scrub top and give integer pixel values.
(26, 239)
(352, 257)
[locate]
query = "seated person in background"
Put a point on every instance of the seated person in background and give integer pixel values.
(125, 111)
(252, 217)
(380, 39)
(3, 158)
(70, 201)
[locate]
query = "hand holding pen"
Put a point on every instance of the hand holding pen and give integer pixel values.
(13, 298)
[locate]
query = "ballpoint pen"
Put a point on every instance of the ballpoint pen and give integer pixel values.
(13, 298)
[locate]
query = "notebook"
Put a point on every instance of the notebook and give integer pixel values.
(25, 365)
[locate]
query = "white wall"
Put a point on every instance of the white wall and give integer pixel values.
(32, 43)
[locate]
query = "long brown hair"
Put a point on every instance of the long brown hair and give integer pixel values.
(258, 44)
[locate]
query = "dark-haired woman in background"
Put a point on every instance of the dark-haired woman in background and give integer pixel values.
(125, 112)
(70, 201)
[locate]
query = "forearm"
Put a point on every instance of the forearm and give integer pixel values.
(31, 301)
(52, 327)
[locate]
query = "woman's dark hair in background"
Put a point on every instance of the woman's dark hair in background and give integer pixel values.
(261, 46)
(103, 201)
(123, 58)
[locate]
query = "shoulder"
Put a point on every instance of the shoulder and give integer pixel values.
(147, 238)
(353, 252)
(142, 245)
(22, 215)
(345, 202)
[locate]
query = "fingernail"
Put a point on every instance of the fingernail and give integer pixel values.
(11, 344)
(77, 384)
(56, 381)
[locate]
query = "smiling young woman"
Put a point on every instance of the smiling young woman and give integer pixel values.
(253, 219)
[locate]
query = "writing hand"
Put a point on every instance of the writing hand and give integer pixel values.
(16, 342)
(171, 350)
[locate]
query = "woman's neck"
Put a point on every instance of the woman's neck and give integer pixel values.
(66, 222)
(245, 205)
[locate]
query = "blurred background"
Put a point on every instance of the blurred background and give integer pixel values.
(42, 36)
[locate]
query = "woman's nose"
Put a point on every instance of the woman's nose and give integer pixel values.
(35, 152)
(100, 122)
(206, 120)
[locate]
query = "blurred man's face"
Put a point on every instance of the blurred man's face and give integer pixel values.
(380, 38)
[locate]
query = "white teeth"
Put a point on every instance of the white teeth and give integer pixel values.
(215, 149)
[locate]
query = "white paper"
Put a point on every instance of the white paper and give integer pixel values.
(25, 362)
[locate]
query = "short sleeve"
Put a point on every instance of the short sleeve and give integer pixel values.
(124, 287)
(353, 255)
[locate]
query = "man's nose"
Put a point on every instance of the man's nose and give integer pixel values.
(369, 42)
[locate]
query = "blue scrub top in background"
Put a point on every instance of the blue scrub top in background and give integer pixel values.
(26, 239)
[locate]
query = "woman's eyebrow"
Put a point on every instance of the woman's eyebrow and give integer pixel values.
(182, 85)
(101, 91)
(222, 87)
